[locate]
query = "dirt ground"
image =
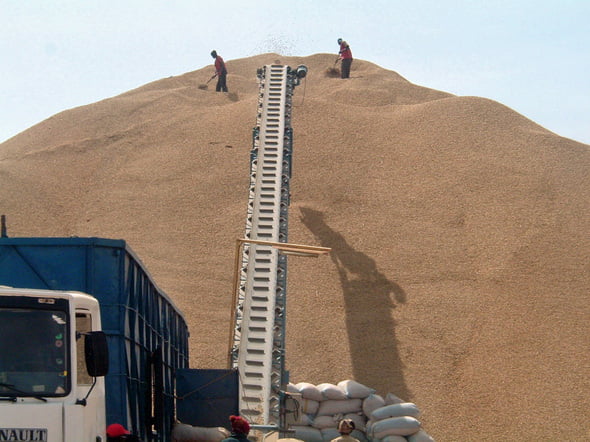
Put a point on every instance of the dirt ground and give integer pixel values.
(459, 277)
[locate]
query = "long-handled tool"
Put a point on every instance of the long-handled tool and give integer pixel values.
(204, 86)
(333, 71)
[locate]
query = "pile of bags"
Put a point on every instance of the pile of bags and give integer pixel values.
(376, 418)
(321, 407)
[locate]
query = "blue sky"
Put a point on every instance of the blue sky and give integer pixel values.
(533, 56)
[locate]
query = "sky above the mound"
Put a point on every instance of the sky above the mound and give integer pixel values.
(532, 56)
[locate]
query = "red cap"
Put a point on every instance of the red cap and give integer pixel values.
(239, 424)
(116, 430)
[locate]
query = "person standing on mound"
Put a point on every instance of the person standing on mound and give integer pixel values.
(345, 427)
(239, 430)
(220, 72)
(345, 55)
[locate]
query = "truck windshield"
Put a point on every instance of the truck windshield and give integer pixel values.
(34, 356)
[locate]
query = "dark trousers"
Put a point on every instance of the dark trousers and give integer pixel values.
(221, 85)
(346, 62)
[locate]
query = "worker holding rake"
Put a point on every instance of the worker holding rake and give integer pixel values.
(345, 54)
(220, 72)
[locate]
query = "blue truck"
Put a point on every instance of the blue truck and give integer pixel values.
(88, 339)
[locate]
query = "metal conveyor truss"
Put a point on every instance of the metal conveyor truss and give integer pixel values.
(259, 334)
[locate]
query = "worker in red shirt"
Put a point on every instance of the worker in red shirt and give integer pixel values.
(220, 72)
(345, 55)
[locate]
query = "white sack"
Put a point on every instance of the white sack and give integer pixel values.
(309, 391)
(329, 433)
(331, 391)
(391, 398)
(355, 390)
(420, 436)
(308, 434)
(189, 433)
(400, 426)
(291, 388)
(395, 410)
(330, 407)
(304, 419)
(309, 406)
(371, 403)
(362, 437)
(321, 422)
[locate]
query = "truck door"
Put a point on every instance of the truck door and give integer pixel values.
(85, 422)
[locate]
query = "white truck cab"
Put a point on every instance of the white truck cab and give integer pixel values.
(53, 360)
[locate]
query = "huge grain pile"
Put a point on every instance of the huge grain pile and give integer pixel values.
(459, 277)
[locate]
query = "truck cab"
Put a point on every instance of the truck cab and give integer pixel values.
(52, 362)
(75, 278)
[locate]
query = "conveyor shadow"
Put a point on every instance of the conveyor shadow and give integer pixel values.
(369, 298)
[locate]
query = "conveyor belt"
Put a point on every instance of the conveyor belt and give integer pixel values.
(258, 343)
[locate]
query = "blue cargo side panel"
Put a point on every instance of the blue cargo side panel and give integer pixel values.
(206, 398)
(60, 263)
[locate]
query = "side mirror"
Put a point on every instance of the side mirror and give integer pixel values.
(96, 353)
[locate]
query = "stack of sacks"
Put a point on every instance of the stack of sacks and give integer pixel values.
(324, 405)
(378, 419)
(393, 420)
